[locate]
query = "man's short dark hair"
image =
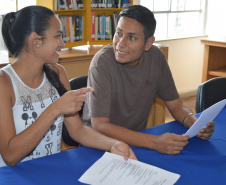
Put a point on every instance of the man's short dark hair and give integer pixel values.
(142, 15)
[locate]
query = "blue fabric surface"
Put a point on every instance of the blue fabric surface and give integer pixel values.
(201, 162)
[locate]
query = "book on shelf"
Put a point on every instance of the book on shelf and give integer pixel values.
(124, 3)
(114, 3)
(64, 28)
(100, 28)
(103, 27)
(104, 4)
(110, 3)
(76, 28)
(75, 5)
(67, 4)
(69, 28)
(72, 28)
(81, 28)
(79, 3)
(108, 31)
(60, 5)
(94, 3)
(114, 22)
(119, 3)
(93, 26)
(96, 27)
(99, 3)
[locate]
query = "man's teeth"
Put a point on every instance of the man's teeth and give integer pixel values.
(120, 52)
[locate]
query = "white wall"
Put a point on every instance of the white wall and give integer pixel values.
(186, 55)
(185, 60)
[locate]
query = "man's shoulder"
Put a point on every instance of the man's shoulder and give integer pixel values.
(156, 52)
(155, 48)
(106, 50)
(103, 56)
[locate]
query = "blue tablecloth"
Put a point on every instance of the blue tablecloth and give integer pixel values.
(201, 162)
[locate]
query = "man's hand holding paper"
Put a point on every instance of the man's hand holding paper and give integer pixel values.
(204, 126)
(206, 133)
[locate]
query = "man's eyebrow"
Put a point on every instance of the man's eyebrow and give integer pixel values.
(119, 29)
(130, 33)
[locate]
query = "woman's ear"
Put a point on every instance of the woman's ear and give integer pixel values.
(149, 43)
(34, 40)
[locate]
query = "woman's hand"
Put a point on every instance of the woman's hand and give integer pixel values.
(72, 101)
(123, 149)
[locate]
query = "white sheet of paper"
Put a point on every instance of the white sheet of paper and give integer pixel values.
(112, 169)
(206, 116)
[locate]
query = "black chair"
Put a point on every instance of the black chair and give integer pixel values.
(210, 92)
(76, 83)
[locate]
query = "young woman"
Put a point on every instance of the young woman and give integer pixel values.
(35, 92)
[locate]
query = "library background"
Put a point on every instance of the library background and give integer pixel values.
(87, 22)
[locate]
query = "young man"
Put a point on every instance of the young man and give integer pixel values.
(126, 77)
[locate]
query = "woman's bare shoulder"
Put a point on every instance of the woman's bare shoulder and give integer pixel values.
(5, 86)
(4, 79)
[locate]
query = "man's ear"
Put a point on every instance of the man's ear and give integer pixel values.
(149, 43)
(35, 40)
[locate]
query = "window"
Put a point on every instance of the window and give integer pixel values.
(178, 18)
(14, 5)
(6, 7)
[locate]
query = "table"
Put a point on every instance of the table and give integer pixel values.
(201, 162)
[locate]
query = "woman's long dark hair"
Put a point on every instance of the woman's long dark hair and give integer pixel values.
(54, 79)
(16, 28)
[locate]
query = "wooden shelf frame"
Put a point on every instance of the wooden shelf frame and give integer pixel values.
(214, 61)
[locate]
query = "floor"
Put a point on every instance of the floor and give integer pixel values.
(190, 101)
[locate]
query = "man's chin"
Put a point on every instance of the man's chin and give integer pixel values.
(123, 62)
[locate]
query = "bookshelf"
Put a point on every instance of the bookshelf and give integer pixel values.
(214, 64)
(86, 12)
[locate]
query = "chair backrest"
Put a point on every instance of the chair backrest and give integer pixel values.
(76, 83)
(210, 92)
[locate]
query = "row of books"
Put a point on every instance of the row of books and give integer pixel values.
(103, 27)
(72, 28)
(110, 3)
(67, 4)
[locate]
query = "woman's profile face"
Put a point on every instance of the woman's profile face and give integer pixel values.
(53, 42)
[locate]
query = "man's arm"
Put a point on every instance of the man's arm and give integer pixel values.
(166, 143)
(179, 111)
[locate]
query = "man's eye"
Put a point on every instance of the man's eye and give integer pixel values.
(132, 38)
(119, 34)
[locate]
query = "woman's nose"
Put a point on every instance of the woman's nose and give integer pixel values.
(61, 43)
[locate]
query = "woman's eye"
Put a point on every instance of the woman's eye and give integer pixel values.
(59, 36)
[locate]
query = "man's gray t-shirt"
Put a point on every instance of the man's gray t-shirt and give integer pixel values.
(125, 94)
